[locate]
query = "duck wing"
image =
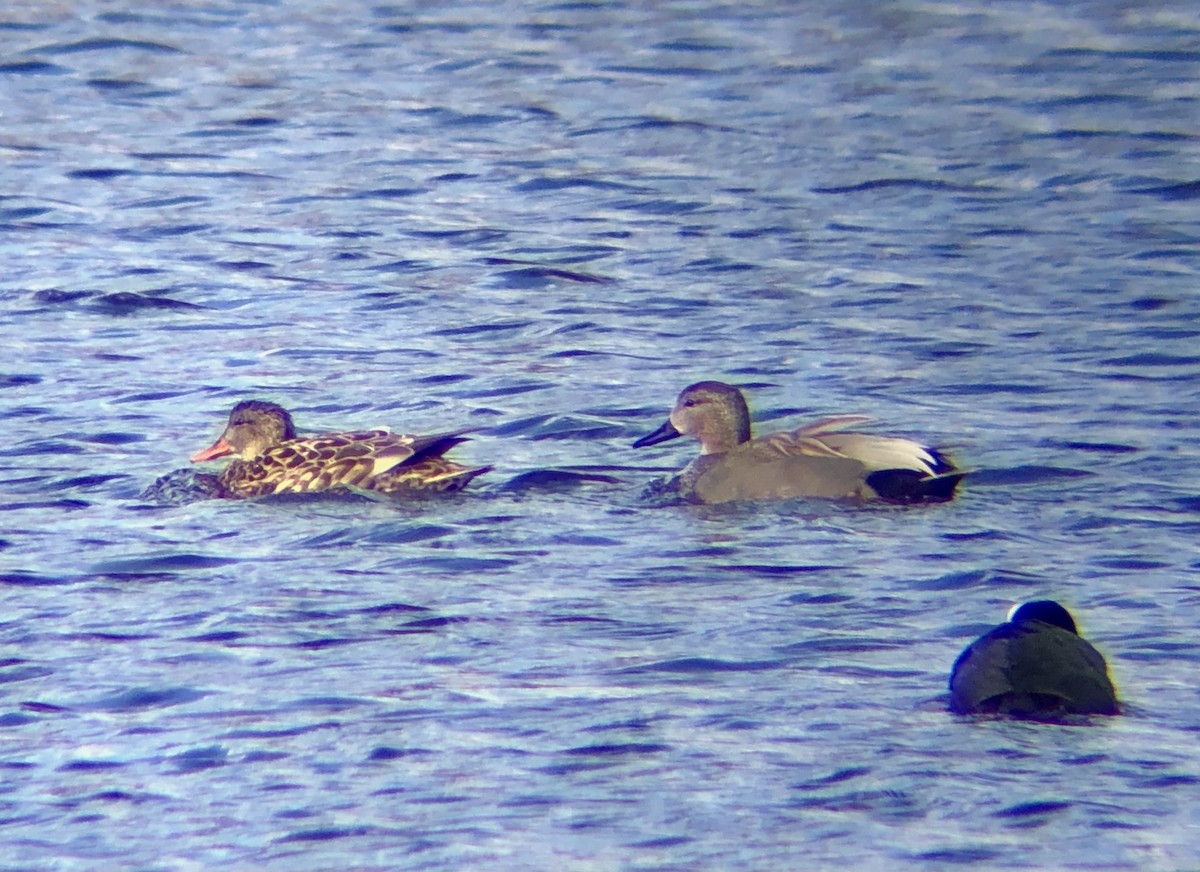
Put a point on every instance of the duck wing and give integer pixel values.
(333, 460)
(885, 452)
(899, 470)
(829, 425)
(432, 474)
(876, 452)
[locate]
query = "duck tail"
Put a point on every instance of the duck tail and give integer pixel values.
(911, 486)
(456, 481)
(423, 447)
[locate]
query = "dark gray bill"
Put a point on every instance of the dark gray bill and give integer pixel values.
(662, 434)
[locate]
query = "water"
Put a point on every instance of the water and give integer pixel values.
(974, 222)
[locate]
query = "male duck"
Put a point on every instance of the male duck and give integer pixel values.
(1035, 665)
(272, 460)
(819, 460)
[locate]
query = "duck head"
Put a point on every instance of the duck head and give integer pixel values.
(254, 427)
(711, 411)
(1046, 611)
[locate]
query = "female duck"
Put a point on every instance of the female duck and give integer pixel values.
(1035, 665)
(822, 459)
(272, 460)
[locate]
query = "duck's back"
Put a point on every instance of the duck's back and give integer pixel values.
(373, 460)
(1031, 668)
(897, 469)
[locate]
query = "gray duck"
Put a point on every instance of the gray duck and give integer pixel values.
(822, 459)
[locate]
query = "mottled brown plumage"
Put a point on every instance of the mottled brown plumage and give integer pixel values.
(272, 460)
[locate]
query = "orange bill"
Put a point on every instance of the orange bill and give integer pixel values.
(218, 449)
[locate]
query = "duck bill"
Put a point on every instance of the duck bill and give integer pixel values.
(662, 434)
(218, 449)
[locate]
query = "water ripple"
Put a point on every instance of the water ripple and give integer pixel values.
(543, 223)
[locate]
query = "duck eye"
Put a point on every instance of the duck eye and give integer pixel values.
(688, 403)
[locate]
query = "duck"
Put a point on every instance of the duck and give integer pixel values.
(269, 458)
(1035, 665)
(822, 459)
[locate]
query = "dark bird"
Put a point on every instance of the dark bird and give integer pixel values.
(1034, 665)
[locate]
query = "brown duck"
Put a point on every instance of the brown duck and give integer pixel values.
(823, 459)
(270, 459)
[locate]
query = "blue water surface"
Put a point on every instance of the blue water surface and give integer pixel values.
(975, 222)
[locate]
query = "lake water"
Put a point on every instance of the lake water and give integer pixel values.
(975, 222)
